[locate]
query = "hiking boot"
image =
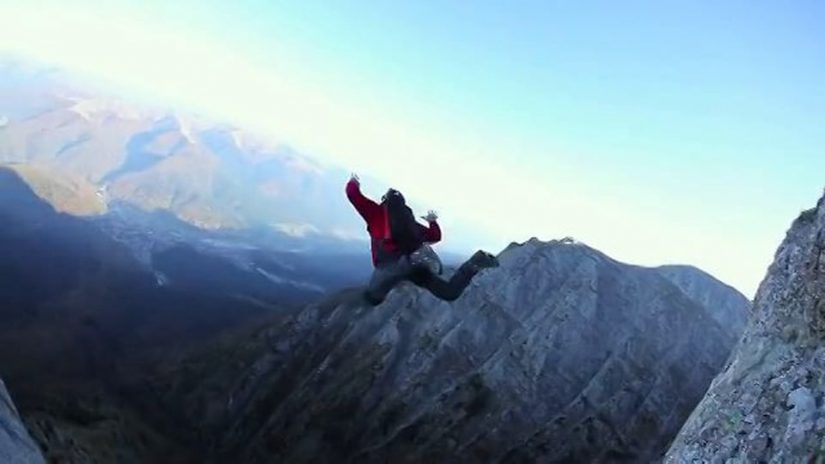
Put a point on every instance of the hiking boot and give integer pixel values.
(483, 260)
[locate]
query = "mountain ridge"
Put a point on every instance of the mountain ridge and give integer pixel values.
(559, 330)
(419, 379)
(732, 307)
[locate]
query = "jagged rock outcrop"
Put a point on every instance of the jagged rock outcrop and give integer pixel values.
(769, 403)
(729, 307)
(560, 355)
(16, 446)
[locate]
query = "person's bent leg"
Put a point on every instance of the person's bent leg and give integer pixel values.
(440, 288)
(451, 290)
(384, 278)
(380, 284)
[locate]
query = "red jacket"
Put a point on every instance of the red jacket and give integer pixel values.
(375, 216)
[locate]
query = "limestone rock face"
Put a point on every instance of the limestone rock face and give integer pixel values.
(769, 403)
(729, 307)
(559, 355)
(16, 446)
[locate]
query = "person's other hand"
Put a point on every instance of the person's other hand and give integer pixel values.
(431, 216)
(354, 178)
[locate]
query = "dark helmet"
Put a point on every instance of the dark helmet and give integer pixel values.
(393, 196)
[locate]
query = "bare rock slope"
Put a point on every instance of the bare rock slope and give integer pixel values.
(16, 446)
(560, 355)
(769, 403)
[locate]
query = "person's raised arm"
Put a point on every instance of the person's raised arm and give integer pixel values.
(365, 207)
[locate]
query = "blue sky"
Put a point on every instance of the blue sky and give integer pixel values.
(659, 132)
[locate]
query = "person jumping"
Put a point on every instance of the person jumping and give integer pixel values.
(400, 250)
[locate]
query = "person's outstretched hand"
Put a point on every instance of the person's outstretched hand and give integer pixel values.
(431, 216)
(354, 178)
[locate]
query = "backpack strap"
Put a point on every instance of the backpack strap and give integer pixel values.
(387, 231)
(383, 254)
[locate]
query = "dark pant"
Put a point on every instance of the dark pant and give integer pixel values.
(387, 275)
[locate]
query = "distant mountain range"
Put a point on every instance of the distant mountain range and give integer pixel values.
(86, 154)
(207, 174)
